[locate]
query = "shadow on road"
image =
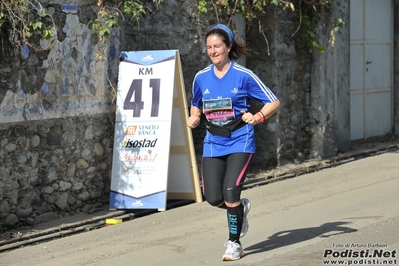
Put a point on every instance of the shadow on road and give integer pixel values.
(289, 237)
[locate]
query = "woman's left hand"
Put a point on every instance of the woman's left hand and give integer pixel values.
(249, 118)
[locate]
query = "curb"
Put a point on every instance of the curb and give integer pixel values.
(79, 227)
(307, 167)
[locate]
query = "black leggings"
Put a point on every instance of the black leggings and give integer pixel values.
(222, 177)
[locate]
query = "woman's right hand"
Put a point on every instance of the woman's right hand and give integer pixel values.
(194, 120)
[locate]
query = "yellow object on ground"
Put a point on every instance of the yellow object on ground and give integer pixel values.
(113, 221)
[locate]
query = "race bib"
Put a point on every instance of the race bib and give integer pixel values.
(219, 111)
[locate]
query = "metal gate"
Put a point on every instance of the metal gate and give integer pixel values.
(371, 68)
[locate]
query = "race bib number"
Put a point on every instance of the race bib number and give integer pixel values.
(219, 111)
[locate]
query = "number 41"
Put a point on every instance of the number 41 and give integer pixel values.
(137, 105)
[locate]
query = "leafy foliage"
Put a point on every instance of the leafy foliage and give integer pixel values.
(307, 10)
(107, 17)
(249, 9)
(23, 18)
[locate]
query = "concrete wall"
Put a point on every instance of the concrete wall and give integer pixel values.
(330, 88)
(396, 68)
(67, 79)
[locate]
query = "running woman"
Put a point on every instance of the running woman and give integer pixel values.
(222, 92)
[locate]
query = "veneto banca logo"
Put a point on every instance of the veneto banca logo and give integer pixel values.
(130, 130)
(142, 130)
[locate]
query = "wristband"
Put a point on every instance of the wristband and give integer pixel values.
(261, 117)
(262, 114)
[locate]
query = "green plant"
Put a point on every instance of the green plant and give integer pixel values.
(305, 10)
(107, 16)
(104, 22)
(309, 35)
(24, 18)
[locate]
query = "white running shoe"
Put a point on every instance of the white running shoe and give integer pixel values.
(233, 251)
(245, 224)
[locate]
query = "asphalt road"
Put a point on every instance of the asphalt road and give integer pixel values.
(348, 213)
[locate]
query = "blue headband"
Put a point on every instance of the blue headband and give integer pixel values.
(227, 30)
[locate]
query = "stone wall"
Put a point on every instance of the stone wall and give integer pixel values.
(54, 167)
(284, 138)
(67, 78)
(57, 113)
(57, 106)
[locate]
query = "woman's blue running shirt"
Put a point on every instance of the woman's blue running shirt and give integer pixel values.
(222, 100)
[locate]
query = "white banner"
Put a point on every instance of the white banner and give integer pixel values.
(142, 130)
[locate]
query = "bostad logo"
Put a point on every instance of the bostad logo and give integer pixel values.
(144, 143)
